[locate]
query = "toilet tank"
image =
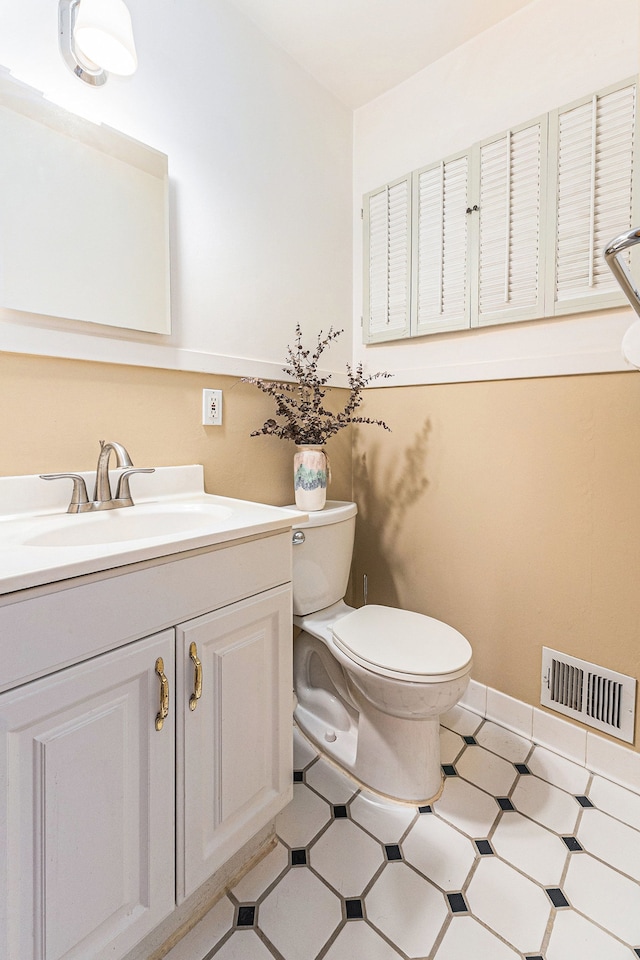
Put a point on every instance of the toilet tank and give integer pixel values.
(322, 550)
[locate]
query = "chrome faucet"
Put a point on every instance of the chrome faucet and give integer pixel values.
(102, 498)
(102, 489)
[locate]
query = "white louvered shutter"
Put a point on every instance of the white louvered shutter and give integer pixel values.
(593, 180)
(441, 288)
(511, 215)
(387, 267)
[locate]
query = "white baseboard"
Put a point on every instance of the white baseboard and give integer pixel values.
(601, 756)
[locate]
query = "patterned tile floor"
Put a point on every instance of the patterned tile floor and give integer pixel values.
(525, 855)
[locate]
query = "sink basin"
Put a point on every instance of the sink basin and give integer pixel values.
(41, 544)
(141, 522)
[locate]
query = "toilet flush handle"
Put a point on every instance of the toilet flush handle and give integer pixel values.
(298, 537)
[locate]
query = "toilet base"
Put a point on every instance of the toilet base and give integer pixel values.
(396, 756)
(407, 777)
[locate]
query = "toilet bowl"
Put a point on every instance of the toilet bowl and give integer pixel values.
(371, 683)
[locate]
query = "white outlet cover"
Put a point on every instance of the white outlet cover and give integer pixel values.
(212, 408)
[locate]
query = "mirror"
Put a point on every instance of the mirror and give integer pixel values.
(84, 224)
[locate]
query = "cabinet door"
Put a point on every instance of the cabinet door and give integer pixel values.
(512, 228)
(441, 246)
(86, 840)
(387, 261)
(234, 762)
(595, 185)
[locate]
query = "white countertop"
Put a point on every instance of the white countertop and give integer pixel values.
(32, 509)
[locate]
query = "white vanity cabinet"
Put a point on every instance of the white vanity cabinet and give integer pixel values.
(107, 821)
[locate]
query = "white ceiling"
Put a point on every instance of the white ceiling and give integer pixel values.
(358, 49)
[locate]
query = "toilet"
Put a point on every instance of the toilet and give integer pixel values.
(370, 683)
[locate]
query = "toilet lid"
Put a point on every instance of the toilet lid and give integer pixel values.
(402, 642)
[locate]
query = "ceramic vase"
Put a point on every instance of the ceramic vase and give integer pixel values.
(310, 476)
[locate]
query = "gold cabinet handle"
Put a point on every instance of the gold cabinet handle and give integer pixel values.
(164, 694)
(197, 683)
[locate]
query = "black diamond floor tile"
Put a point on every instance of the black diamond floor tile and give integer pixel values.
(584, 801)
(557, 897)
(457, 903)
(572, 843)
(426, 809)
(354, 909)
(393, 851)
(471, 741)
(504, 803)
(298, 776)
(339, 811)
(484, 848)
(522, 768)
(449, 770)
(246, 916)
(298, 858)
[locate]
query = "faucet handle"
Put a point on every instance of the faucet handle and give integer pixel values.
(123, 493)
(79, 499)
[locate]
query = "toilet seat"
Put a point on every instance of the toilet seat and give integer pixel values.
(402, 644)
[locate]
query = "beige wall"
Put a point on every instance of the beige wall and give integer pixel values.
(53, 412)
(511, 510)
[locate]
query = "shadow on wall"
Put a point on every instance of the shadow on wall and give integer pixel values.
(385, 487)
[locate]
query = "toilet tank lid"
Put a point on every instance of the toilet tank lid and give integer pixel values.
(333, 512)
(402, 641)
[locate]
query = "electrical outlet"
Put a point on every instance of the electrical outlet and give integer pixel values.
(212, 408)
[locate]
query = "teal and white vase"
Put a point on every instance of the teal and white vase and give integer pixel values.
(310, 475)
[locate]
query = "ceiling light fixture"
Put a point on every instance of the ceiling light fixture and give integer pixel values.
(96, 38)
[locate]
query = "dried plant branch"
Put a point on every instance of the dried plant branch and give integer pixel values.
(300, 405)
